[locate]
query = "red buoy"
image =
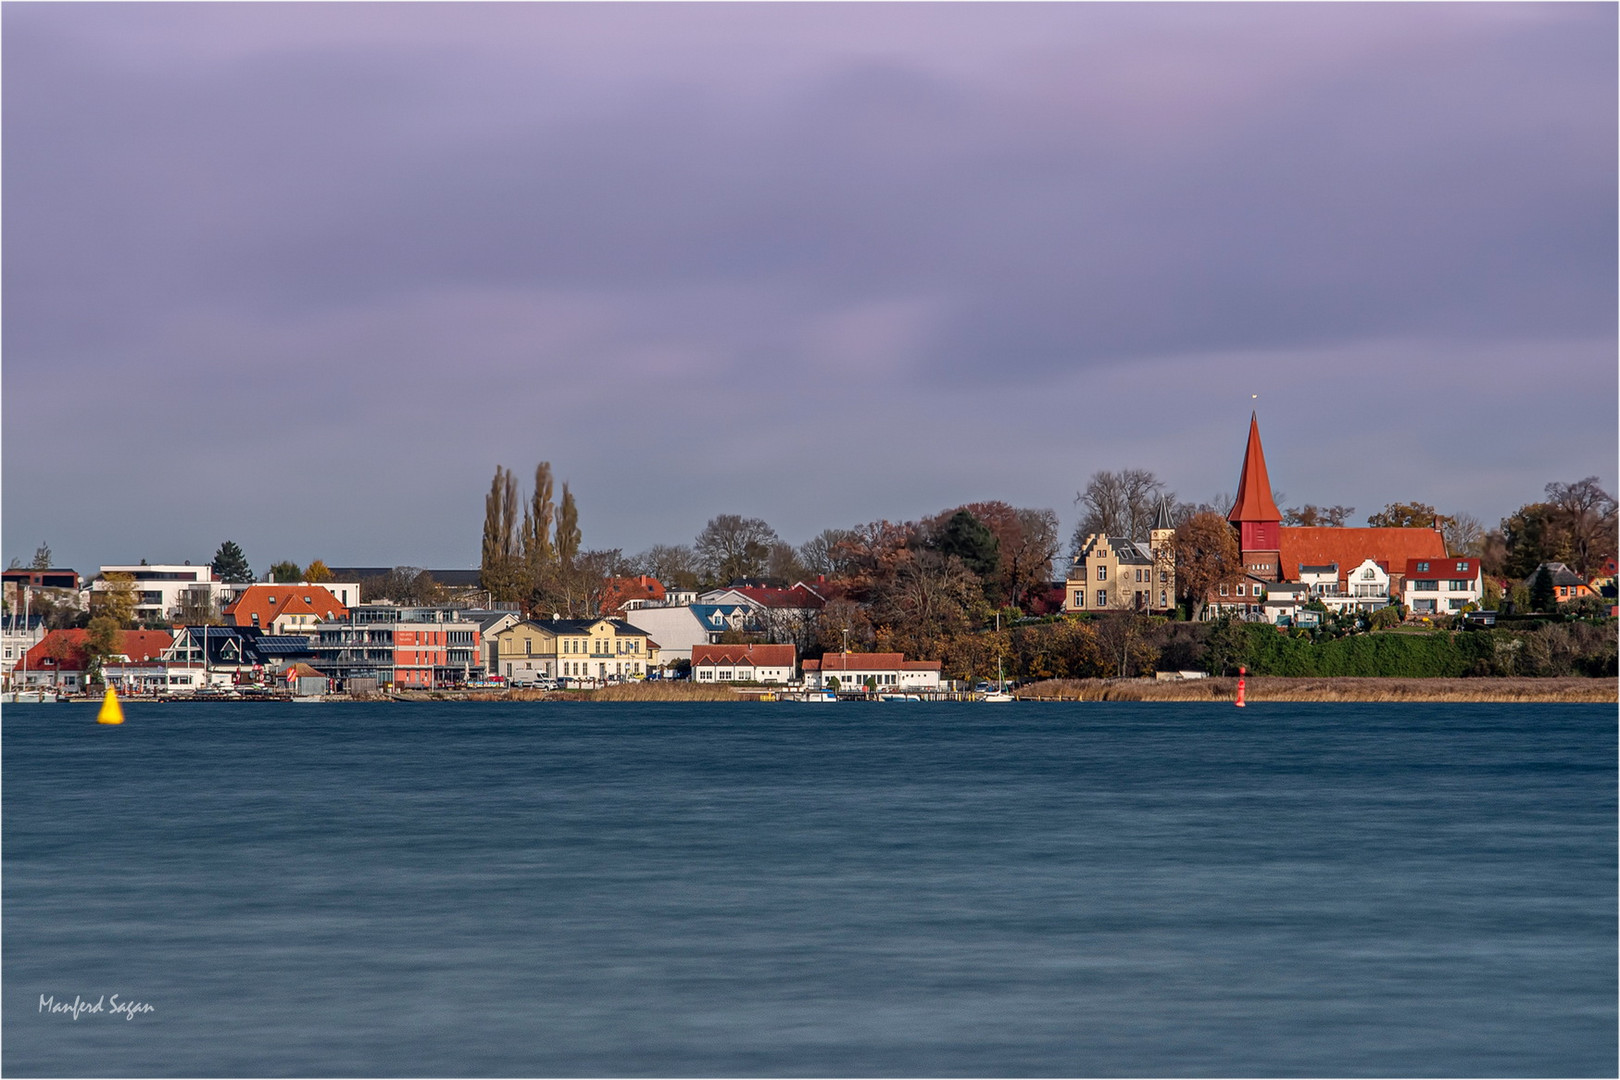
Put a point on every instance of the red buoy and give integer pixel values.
(1241, 673)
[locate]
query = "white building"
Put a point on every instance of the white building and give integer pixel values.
(744, 663)
(1442, 586)
(880, 671)
(160, 589)
(678, 629)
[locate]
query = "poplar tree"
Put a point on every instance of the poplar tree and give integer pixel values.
(568, 535)
(539, 554)
(498, 566)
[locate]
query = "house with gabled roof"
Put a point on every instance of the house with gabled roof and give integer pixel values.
(744, 663)
(1116, 573)
(1567, 584)
(61, 661)
(1442, 586)
(879, 672)
(597, 649)
(285, 609)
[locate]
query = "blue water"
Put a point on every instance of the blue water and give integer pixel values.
(940, 890)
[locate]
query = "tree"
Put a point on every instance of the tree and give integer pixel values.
(317, 572)
(497, 568)
(1463, 534)
(783, 565)
(117, 601)
(1414, 515)
(1585, 516)
(1310, 515)
(731, 547)
(42, 556)
(404, 585)
(1207, 557)
(1531, 536)
(197, 608)
(286, 572)
(675, 565)
(539, 554)
(969, 539)
(231, 565)
(1119, 504)
(568, 535)
(1541, 591)
(819, 554)
(102, 640)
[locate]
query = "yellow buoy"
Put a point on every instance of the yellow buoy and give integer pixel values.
(111, 712)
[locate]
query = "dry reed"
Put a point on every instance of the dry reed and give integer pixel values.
(1268, 688)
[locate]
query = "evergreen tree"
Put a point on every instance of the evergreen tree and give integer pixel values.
(1541, 591)
(286, 572)
(231, 565)
(970, 540)
(42, 556)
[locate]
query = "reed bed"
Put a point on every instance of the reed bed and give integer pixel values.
(1268, 688)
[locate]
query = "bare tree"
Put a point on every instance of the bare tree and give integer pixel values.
(537, 550)
(675, 565)
(731, 546)
(821, 553)
(1027, 554)
(1119, 504)
(1585, 514)
(1312, 515)
(1464, 534)
(782, 564)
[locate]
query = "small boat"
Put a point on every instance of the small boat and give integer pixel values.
(898, 697)
(999, 694)
(31, 697)
(308, 699)
(813, 695)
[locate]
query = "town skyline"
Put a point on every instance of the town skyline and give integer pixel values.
(319, 269)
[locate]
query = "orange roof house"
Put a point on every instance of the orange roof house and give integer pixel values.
(61, 652)
(285, 609)
(618, 590)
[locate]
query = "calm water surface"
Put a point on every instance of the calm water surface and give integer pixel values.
(1063, 889)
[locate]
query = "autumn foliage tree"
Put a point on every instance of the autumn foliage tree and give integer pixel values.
(1207, 557)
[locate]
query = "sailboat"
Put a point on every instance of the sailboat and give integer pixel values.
(20, 694)
(1000, 692)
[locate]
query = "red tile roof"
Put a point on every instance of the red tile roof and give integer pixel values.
(63, 650)
(1320, 545)
(755, 655)
(270, 602)
(1254, 501)
(800, 596)
(863, 661)
(618, 590)
(1448, 568)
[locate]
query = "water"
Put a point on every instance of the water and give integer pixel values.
(899, 889)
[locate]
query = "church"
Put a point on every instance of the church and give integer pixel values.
(1344, 567)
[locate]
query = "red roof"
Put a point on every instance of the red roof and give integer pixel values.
(270, 602)
(1320, 545)
(63, 650)
(617, 590)
(1254, 501)
(800, 596)
(1452, 566)
(755, 655)
(863, 661)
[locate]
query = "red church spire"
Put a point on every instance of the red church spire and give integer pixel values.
(1254, 501)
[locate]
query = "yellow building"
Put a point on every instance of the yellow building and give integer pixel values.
(1115, 573)
(597, 649)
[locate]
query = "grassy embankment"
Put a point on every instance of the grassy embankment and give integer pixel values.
(1274, 688)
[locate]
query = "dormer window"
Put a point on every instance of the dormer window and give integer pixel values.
(1423, 568)
(1462, 568)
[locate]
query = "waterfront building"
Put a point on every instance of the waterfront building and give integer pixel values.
(881, 672)
(744, 663)
(60, 661)
(1567, 584)
(392, 645)
(595, 649)
(678, 629)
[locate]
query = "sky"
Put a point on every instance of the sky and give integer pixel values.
(302, 275)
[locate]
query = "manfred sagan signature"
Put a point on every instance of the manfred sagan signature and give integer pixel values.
(106, 1005)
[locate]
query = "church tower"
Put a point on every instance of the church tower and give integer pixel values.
(1255, 513)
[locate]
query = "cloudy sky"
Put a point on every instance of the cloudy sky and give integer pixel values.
(302, 275)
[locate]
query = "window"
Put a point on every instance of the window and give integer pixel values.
(528, 646)
(1079, 598)
(1162, 601)
(1458, 586)
(1462, 568)
(1102, 597)
(1423, 568)
(1425, 586)
(1240, 591)
(1223, 590)
(1102, 573)
(1164, 576)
